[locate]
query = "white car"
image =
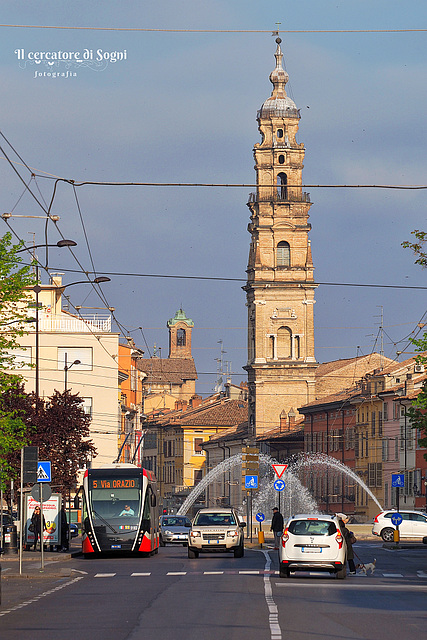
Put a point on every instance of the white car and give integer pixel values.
(414, 525)
(216, 530)
(313, 542)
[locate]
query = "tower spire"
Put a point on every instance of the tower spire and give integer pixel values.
(279, 76)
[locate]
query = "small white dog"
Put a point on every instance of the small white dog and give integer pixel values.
(369, 566)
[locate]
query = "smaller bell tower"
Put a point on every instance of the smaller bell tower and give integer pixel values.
(180, 328)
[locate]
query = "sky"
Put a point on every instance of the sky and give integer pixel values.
(180, 107)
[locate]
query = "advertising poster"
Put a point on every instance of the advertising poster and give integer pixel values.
(51, 509)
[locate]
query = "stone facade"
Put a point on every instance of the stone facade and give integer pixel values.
(280, 287)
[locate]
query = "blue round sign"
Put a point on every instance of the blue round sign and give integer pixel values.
(396, 519)
(260, 517)
(279, 485)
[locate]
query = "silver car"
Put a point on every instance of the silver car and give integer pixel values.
(313, 542)
(174, 530)
(216, 530)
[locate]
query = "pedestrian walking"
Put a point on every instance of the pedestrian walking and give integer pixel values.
(36, 521)
(277, 526)
(349, 537)
(64, 530)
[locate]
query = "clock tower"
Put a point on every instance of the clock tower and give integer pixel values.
(280, 286)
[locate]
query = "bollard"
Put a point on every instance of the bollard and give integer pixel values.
(261, 537)
(396, 535)
(10, 538)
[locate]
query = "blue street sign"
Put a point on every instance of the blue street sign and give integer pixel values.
(260, 517)
(397, 479)
(279, 485)
(44, 471)
(251, 482)
(396, 519)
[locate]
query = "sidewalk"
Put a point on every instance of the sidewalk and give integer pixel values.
(55, 563)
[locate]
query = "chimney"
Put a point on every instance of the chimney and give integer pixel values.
(180, 405)
(283, 421)
(291, 418)
(195, 401)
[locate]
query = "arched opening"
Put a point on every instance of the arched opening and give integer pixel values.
(281, 159)
(297, 345)
(180, 338)
(282, 189)
(279, 133)
(283, 254)
(284, 343)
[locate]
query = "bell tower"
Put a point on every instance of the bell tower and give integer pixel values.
(180, 328)
(280, 287)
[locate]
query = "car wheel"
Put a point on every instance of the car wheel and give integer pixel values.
(425, 540)
(284, 571)
(387, 534)
(240, 551)
(193, 553)
(341, 574)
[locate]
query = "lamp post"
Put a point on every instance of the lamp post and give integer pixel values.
(66, 368)
(37, 288)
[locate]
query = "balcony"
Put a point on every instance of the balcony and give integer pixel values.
(64, 323)
(274, 196)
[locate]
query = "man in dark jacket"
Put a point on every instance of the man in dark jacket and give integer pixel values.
(277, 526)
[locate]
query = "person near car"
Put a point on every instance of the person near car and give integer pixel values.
(277, 526)
(64, 530)
(348, 537)
(36, 521)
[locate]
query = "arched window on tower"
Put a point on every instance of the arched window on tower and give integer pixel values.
(283, 254)
(282, 189)
(180, 338)
(284, 343)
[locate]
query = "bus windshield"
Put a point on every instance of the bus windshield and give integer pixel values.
(115, 499)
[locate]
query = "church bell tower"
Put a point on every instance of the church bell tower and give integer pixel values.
(280, 287)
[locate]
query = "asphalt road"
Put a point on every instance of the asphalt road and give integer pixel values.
(219, 597)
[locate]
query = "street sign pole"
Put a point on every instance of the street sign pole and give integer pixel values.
(397, 498)
(41, 528)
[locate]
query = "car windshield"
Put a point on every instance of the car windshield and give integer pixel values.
(312, 528)
(214, 519)
(174, 522)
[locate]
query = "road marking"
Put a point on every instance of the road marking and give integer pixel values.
(104, 575)
(293, 584)
(213, 573)
(176, 573)
(249, 573)
(392, 575)
(273, 617)
(421, 574)
(140, 574)
(42, 595)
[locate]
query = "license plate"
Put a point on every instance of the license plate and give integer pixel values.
(312, 550)
(181, 537)
(116, 546)
(213, 541)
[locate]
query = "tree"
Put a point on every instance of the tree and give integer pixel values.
(14, 278)
(59, 427)
(418, 411)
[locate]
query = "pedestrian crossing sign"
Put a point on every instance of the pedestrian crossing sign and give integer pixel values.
(44, 471)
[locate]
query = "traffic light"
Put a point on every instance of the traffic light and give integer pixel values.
(30, 461)
(76, 504)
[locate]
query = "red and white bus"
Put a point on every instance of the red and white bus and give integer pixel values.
(120, 512)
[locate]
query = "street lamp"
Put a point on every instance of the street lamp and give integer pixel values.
(66, 368)
(37, 288)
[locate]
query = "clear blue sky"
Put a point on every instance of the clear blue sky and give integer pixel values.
(182, 108)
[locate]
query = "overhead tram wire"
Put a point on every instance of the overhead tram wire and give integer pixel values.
(172, 30)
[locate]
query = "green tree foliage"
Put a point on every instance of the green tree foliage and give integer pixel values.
(418, 247)
(14, 278)
(418, 411)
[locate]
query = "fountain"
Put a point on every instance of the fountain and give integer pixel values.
(295, 499)
(313, 460)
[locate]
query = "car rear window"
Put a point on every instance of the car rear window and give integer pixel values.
(212, 519)
(312, 528)
(174, 522)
